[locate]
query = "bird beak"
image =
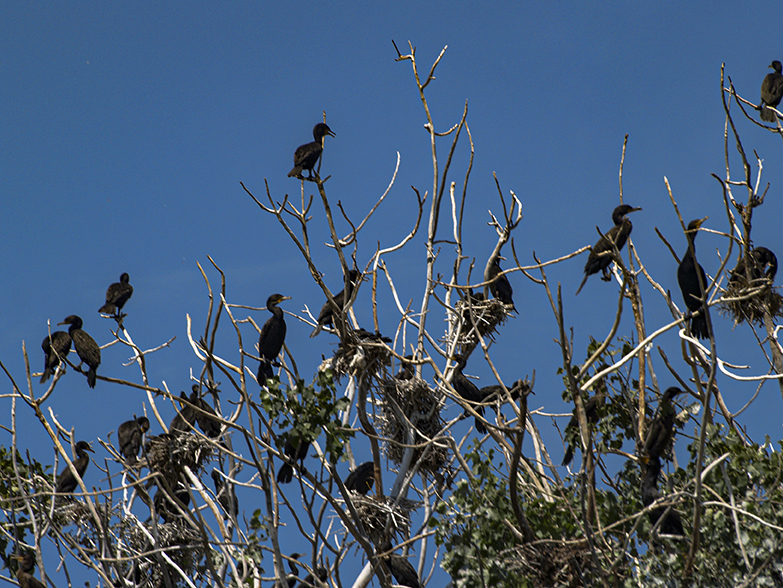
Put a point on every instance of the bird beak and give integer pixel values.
(90, 449)
(62, 323)
(638, 208)
(285, 298)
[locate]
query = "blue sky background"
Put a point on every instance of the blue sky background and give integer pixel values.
(126, 129)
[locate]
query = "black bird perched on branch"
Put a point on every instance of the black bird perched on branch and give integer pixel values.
(307, 155)
(494, 392)
(326, 316)
(272, 337)
(129, 435)
(66, 482)
(55, 348)
(309, 581)
(186, 417)
(85, 346)
(399, 566)
(361, 478)
(659, 437)
(771, 92)
(600, 256)
(672, 524)
(500, 287)
(225, 493)
(693, 284)
(468, 390)
(764, 265)
(166, 509)
(293, 453)
(572, 428)
(117, 295)
(407, 369)
(207, 418)
(24, 574)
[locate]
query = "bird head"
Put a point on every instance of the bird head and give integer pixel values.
(83, 446)
(276, 299)
(694, 225)
(72, 320)
(144, 424)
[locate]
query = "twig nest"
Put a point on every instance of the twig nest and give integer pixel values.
(181, 542)
(746, 302)
(374, 512)
(551, 563)
(488, 315)
(168, 454)
(420, 405)
(361, 351)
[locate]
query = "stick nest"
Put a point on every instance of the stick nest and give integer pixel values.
(178, 539)
(168, 454)
(360, 354)
(374, 512)
(487, 314)
(551, 563)
(421, 406)
(751, 309)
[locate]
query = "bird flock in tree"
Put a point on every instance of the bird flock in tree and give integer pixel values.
(172, 499)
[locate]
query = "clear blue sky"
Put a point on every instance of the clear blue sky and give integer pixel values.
(126, 129)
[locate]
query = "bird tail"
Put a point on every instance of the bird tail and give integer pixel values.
(295, 172)
(47, 372)
(285, 474)
(582, 284)
(91, 378)
(481, 429)
(699, 327)
(107, 308)
(569, 454)
(766, 114)
(265, 371)
(317, 330)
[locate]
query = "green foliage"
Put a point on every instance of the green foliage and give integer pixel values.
(10, 490)
(304, 411)
(471, 528)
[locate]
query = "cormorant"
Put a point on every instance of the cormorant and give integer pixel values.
(293, 577)
(24, 573)
(361, 478)
(85, 346)
(325, 317)
(659, 437)
(495, 391)
(129, 436)
(186, 417)
(765, 264)
(672, 524)
(399, 566)
(293, 453)
(500, 287)
(306, 156)
(66, 482)
(167, 510)
(226, 497)
(591, 412)
(209, 423)
(407, 370)
(600, 257)
(117, 295)
(771, 92)
(54, 350)
(271, 339)
(468, 390)
(309, 581)
(689, 282)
